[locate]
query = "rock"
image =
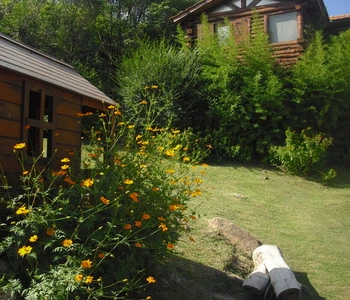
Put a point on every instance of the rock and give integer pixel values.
(236, 235)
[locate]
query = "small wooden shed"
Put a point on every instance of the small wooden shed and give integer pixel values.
(284, 20)
(40, 97)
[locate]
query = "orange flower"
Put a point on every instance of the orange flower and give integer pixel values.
(67, 243)
(93, 155)
(161, 219)
(173, 207)
(59, 173)
(86, 264)
(138, 223)
(170, 246)
(50, 231)
(101, 255)
(134, 196)
(127, 226)
(69, 181)
(145, 217)
(155, 189)
(71, 153)
(27, 127)
(150, 279)
(104, 200)
(87, 182)
(139, 245)
(192, 239)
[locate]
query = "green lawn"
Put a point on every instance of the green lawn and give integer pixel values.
(308, 221)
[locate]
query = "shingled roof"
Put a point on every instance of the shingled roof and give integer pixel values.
(22, 59)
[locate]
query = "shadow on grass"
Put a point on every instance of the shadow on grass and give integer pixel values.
(308, 291)
(179, 279)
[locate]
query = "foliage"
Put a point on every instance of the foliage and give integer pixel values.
(164, 79)
(97, 233)
(92, 36)
(320, 94)
(302, 152)
(244, 92)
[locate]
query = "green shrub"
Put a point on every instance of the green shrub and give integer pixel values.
(302, 152)
(97, 232)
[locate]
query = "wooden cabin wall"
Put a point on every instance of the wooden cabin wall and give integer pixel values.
(67, 133)
(286, 53)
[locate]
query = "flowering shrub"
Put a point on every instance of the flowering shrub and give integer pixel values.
(95, 232)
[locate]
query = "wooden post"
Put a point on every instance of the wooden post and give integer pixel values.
(243, 4)
(270, 259)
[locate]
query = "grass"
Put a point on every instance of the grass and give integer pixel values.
(307, 220)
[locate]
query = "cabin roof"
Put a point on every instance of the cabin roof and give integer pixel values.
(22, 59)
(205, 5)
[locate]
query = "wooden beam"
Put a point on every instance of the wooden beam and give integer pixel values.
(253, 3)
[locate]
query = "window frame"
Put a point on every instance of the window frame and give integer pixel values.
(37, 125)
(299, 29)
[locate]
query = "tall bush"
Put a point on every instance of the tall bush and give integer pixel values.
(165, 79)
(321, 93)
(95, 233)
(244, 91)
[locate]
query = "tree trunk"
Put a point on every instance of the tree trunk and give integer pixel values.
(269, 259)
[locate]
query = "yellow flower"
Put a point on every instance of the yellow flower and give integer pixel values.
(86, 264)
(170, 153)
(24, 250)
(87, 182)
(128, 181)
(145, 217)
(102, 115)
(104, 200)
(134, 197)
(25, 172)
(170, 171)
(150, 279)
(78, 277)
(144, 102)
(19, 146)
(175, 131)
(67, 243)
(111, 107)
(33, 238)
(89, 279)
(22, 211)
(154, 86)
(148, 298)
(65, 160)
(131, 126)
(64, 167)
(120, 123)
(186, 158)
(163, 227)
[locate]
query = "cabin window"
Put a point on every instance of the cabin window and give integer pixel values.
(222, 32)
(39, 122)
(283, 27)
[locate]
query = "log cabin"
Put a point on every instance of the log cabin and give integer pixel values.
(40, 97)
(285, 21)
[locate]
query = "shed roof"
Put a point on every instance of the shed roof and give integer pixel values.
(22, 59)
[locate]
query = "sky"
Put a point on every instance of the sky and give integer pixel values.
(337, 7)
